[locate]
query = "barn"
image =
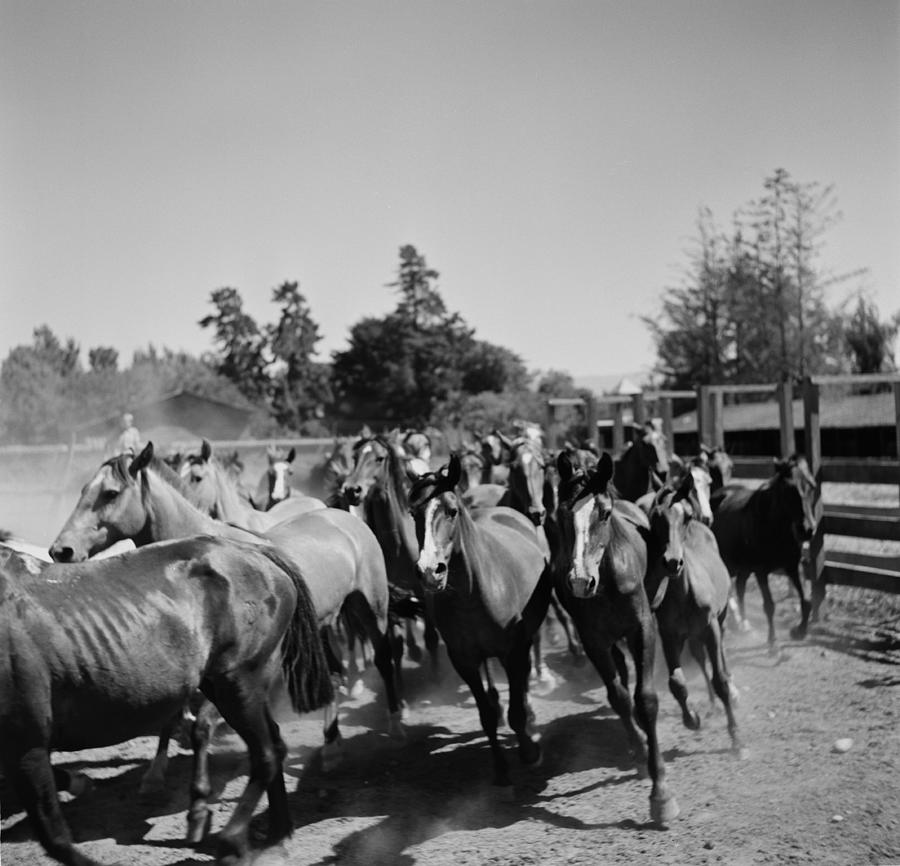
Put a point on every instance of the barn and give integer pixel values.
(179, 417)
(858, 425)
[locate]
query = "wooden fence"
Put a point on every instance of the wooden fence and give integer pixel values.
(866, 522)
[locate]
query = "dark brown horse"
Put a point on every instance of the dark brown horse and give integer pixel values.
(100, 652)
(689, 585)
(379, 484)
(603, 560)
(764, 530)
(490, 582)
(642, 466)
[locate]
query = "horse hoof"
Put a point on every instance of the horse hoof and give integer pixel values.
(357, 690)
(396, 731)
(80, 784)
(692, 720)
(198, 826)
(774, 649)
(798, 632)
(664, 810)
(150, 788)
(531, 754)
(332, 755)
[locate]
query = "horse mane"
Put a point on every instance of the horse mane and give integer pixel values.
(469, 547)
(395, 487)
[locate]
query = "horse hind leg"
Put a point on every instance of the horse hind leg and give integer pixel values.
(199, 816)
(698, 653)
(520, 713)
(332, 747)
(154, 780)
(762, 579)
(722, 684)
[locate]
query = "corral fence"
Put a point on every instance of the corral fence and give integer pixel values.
(873, 522)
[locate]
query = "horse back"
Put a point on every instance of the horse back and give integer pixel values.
(706, 576)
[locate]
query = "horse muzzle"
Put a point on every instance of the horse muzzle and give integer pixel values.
(434, 577)
(352, 493)
(536, 516)
(582, 587)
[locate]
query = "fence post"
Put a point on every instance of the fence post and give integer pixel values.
(897, 417)
(668, 425)
(815, 565)
(717, 419)
(784, 393)
(702, 416)
(639, 410)
(590, 413)
(618, 431)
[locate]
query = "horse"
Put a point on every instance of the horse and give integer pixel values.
(766, 529)
(97, 653)
(326, 478)
(489, 580)
(642, 466)
(720, 465)
(495, 469)
(379, 485)
(215, 491)
(700, 489)
(415, 448)
(337, 554)
(603, 560)
(690, 586)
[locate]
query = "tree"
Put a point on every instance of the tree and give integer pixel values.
(103, 359)
(241, 346)
(869, 339)
(752, 305)
(37, 403)
(300, 385)
(399, 368)
(487, 367)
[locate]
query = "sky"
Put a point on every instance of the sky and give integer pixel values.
(549, 159)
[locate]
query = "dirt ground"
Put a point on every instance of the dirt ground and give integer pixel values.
(795, 799)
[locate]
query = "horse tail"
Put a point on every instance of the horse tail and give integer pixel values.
(303, 661)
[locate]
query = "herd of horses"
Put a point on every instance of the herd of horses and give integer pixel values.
(232, 593)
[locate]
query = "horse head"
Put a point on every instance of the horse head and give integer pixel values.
(279, 473)
(585, 512)
(526, 478)
(375, 462)
(472, 466)
(670, 514)
(436, 507)
(650, 443)
(720, 465)
(109, 509)
(797, 495)
(198, 472)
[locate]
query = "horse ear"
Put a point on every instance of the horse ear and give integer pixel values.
(206, 450)
(604, 468)
(564, 465)
(142, 461)
(291, 455)
(782, 467)
(505, 441)
(454, 472)
(686, 488)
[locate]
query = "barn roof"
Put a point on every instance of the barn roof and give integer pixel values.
(195, 414)
(859, 410)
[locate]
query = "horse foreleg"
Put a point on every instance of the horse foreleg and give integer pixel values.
(663, 806)
(280, 825)
(566, 623)
(673, 644)
(154, 780)
(199, 816)
(34, 780)
(698, 651)
(762, 579)
(385, 666)
(487, 713)
(736, 600)
(798, 632)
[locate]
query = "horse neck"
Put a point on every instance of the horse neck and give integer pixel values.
(632, 478)
(469, 553)
(170, 514)
(229, 504)
(392, 525)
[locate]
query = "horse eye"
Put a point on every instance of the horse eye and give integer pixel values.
(108, 495)
(452, 512)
